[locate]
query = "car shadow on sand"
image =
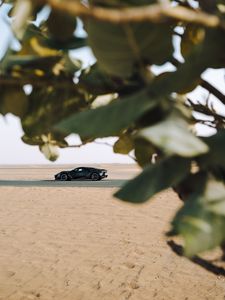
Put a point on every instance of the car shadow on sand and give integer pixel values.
(106, 183)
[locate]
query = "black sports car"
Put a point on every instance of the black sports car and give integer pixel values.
(82, 173)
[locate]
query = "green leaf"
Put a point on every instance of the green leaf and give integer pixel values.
(97, 82)
(22, 62)
(124, 144)
(201, 220)
(143, 151)
(129, 45)
(14, 100)
(110, 119)
(214, 197)
(61, 26)
(215, 156)
(172, 136)
(45, 109)
(70, 44)
(155, 178)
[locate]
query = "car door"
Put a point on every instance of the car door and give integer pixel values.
(80, 173)
(75, 173)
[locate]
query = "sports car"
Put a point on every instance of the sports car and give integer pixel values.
(82, 173)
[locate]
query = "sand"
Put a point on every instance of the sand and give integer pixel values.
(71, 243)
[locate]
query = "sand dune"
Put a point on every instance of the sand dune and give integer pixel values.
(80, 243)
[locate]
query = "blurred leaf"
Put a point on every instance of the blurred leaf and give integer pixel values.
(70, 44)
(215, 156)
(155, 178)
(48, 41)
(14, 101)
(193, 183)
(32, 141)
(213, 53)
(172, 136)
(61, 26)
(50, 151)
(30, 62)
(129, 45)
(201, 220)
(105, 121)
(143, 151)
(97, 82)
(55, 138)
(47, 106)
(214, 197)
(124, 144)
(193, 35)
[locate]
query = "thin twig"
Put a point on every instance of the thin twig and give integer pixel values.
(3, 1)
(75, 146)
(218, 122)
(155, 13)
(107, 144)
(206, 85)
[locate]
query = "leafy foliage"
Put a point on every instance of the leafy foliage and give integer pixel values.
(146, 112)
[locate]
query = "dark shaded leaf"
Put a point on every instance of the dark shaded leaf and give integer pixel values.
(70, 44)
(30, 62)
(124, 144)
(155, 178)
(110, 119)
(14, 101)
(193, 35)
(143, 151)
(48, 106)
(60, 26)
(129, 45)
(215, 156)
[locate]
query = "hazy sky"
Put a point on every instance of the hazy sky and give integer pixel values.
(14, 151)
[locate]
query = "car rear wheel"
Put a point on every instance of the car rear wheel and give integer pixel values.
(64, 177)
(95, 176)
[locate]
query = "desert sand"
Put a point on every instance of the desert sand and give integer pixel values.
(77, 242)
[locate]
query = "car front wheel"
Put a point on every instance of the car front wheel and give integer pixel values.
(95, 176)
(64, 177)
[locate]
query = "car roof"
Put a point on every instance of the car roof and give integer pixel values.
(89, 168)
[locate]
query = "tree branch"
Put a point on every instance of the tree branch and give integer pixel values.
(37, 81)
(3, 1)
(218, 121)
(155, 13)
(206, 85)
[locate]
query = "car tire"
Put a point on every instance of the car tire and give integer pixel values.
(95, 177)
(64, 177)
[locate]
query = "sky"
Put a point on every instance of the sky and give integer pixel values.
(14, 151)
